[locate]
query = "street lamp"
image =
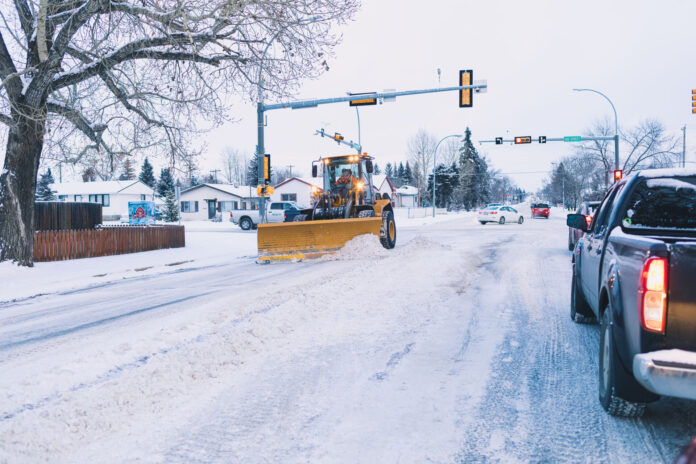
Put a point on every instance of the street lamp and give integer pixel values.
(260, 149)
(616, 125)
(434, 160)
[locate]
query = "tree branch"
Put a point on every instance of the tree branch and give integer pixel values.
(8, 72)
(25, 18)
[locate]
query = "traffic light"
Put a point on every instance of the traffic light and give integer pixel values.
(466, 96)
(527, 139)
(618, 175)
(363, 101)
(542, 139)
(337, 137)
(498, 140)
(267, 169)
(693, 101)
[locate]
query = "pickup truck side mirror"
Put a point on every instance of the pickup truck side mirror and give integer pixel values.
(578, 221)
(368, 166)
(314, 170)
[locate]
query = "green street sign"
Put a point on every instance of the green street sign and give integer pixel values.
(572, 138)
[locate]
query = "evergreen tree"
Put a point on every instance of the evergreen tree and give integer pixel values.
(252, 177)
(447, 182)
(408, 175)
(147, 175)
(377, 170)
(128, 171)
(165, 184)
(400, 174)
(43, 187)
(171, 209)
(389, 171)
(194, 180)
(474, 181)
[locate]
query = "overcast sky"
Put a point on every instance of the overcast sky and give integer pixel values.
(532, 53)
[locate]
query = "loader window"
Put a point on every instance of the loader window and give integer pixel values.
(341, 169)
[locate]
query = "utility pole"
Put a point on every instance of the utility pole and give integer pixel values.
(684, 147)
(214, 173)
(290, 166)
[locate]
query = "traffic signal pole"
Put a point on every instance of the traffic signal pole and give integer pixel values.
(261, 108)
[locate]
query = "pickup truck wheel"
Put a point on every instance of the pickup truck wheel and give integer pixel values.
(300, 218)
(571, 245)
(245, 223)
(608, 377)
(580, 311)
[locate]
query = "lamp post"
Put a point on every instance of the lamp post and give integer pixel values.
(260, 148)
(434, 161)
(616, 125)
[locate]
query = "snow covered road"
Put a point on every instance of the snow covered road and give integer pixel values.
(454, 347)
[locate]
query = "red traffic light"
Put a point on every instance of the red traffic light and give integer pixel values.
(519, 140)
(618, 175)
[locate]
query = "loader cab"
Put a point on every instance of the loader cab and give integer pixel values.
(335, 170)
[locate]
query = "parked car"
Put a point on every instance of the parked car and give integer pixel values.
(587, 209)
(633, 270)
(275, 212)
(500, 214)
(540, 210)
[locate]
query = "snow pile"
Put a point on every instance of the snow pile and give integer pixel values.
(366, 246)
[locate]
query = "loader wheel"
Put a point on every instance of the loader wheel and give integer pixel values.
(388, 235)
(366, 213)
(300, 218)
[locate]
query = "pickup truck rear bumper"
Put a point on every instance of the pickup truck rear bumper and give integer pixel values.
(667, 372)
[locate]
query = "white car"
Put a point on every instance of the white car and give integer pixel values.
(500, 214)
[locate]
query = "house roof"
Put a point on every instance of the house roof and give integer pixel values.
(241, 192)
(407, 190)
(306, 180)
(100, 187)
(379, 179)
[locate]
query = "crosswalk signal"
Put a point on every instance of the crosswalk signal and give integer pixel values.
(542, 139)
(498, 140)
(267, 169)
(693, 101)
(618, 175)
(527, 139)
(466, 96)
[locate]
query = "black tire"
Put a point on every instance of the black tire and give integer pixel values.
(388, 232)
(502, 220)
(609, 377)
(520, 220)
(571, 245)
(580, 311)
(245, 223)
(482, 223)
(300, 218)
(366, 213)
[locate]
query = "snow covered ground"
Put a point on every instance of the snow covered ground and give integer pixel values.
(456, 346)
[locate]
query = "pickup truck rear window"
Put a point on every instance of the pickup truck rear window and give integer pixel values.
(663, 203)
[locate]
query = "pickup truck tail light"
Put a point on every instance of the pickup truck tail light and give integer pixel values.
(652, 296)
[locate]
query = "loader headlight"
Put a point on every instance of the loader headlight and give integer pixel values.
(314, 189)
(360, 186)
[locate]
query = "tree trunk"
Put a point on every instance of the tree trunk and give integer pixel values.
(18, 187)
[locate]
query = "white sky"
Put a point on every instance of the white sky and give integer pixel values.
(532, 53)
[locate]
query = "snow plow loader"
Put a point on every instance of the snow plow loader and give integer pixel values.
(345, 208)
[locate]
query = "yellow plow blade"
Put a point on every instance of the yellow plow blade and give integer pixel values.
(310, 239)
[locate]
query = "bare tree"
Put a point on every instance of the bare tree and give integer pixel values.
(448, 152)
(649, 146)
(117, 77)
(234, 165)
(420, 152)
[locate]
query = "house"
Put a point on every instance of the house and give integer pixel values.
(406, 197)
(113, 195)
(383, 184)
(298, 189)
(203, 201)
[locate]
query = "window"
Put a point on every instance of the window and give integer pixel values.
(62, 197)
(226, 206)
(288, 197)
(99, 198)
(78, 197)
(662, 203)
(142, 197)
(189, 206)
(276, 206)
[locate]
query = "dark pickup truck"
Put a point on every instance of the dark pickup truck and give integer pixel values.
(634, 270)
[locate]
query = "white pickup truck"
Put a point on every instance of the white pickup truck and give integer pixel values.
(276, 212)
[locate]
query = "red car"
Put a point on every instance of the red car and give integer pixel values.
(540, 210)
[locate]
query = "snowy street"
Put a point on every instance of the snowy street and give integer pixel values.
(456, 346)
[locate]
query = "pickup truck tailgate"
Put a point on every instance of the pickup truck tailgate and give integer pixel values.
(681, 304)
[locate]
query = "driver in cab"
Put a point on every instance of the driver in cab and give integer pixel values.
(345, 182)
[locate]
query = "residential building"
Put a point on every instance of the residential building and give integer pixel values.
(113, 195)
(383, 184)
(406, 197)
(204, 201)
(298, 189)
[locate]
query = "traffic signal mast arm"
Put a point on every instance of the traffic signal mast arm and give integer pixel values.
(556, 139)
(365, 96)
(338, 138)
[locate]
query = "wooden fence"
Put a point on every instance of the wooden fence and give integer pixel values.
(58, 215)
(57, 245)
